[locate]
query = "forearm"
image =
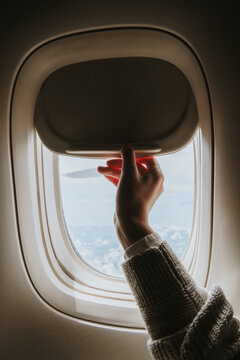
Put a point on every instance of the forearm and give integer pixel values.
(182, 319)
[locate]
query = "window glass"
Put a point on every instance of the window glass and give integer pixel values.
(88, 202)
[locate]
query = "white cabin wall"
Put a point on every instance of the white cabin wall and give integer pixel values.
(30, 329)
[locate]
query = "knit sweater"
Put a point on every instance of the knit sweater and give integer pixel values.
(183, 320)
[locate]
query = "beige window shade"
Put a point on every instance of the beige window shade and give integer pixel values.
(91, 108)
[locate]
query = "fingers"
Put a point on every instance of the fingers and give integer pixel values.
(110, 174)
(114, 172)
(153, 171)
(129, 166)
(153, 166)
(150, 162)
(142, 166)
(144, 160)
(118, 162)
(113, 180)
(142, 169)
(115, 163)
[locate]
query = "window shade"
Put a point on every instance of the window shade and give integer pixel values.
(91, 108)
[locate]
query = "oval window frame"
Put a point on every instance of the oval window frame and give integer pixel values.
(53, 281)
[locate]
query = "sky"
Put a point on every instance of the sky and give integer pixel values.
(91, 199)
(88, 206)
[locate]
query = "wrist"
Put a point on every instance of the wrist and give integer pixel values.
(132, 231)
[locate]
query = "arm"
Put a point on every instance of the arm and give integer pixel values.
(183, 321)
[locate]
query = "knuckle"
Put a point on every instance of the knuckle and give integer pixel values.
(158, 175)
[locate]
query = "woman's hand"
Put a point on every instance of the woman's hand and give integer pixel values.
(139, 184)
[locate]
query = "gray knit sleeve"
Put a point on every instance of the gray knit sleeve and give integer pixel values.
(183, 320)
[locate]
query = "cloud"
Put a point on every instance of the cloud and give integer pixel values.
(99, 247)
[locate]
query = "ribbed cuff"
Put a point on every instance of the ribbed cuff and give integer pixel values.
(143, 244)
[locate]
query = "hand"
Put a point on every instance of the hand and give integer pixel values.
(139, 184)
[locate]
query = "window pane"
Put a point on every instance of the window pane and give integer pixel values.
(88, 202)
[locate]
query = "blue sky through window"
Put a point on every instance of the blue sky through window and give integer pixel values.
(88, 206)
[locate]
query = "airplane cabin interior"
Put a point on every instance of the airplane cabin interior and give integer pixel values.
(78, 80)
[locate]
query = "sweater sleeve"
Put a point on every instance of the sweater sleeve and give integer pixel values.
(183, 320)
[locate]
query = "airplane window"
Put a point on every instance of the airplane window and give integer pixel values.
(88, 202)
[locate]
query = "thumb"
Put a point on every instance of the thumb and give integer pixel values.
(129, 165)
